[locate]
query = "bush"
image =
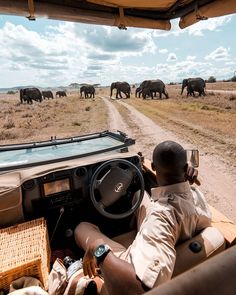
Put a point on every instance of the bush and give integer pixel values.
(7, 135)
(76, 123)
(11, 92)
(211, 79)
(232, 97)
(8, 123)
(233, 79)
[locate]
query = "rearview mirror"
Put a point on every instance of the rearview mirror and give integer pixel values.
(193, 158)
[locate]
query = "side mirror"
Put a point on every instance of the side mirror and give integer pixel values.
(193, 158)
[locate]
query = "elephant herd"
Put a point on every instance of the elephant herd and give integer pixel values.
(147, 88)
(29, 95)
(150, 88)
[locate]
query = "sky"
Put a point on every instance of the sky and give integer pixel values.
(50, 53)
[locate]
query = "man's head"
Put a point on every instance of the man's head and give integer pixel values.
(170, 162)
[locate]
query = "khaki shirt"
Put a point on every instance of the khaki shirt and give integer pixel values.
(173, 214)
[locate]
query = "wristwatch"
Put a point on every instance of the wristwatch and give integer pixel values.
(101, 252)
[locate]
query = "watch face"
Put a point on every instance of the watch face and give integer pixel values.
(99, 251)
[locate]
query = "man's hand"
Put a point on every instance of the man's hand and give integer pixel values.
(89, 261)
(191, 175)
(89, 264)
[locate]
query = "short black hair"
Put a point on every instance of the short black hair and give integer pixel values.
(170, 158)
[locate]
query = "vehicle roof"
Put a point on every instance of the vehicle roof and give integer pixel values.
(155, 14)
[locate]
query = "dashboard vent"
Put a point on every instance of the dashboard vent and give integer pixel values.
(29, 184)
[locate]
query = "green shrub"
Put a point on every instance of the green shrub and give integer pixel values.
(211, 79)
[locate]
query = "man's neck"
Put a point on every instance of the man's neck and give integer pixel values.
(165, 182)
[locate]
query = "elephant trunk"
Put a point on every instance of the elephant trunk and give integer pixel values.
(166, 93)
(111, 91)
(183, 86)
(81, 93)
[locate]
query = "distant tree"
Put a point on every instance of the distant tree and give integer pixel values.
(11, 92)
(233, 79)
(211, 79)
(74, 85)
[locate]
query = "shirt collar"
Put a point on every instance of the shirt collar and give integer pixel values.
(177, 188)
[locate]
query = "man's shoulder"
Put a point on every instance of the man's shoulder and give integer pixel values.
(201, 205)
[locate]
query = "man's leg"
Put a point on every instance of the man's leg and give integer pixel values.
(86, 233)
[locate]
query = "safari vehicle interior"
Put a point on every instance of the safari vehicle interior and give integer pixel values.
(69, 180)
(66, 180)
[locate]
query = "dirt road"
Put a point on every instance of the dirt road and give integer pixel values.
(218, 180)
(222, 91)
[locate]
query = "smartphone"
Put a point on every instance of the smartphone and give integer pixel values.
(193, 158)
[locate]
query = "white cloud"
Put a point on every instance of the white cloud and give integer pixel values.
(229, 63)
(212, 24)
(163, 51)
(171, 57)
(67, 52)
(190, 57)
(177, 71)
(219, 54)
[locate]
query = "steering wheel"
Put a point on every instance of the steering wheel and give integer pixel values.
(114, 180)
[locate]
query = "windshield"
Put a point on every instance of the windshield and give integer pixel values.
(16, 156)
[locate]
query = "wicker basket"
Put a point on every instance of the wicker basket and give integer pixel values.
(24, 251)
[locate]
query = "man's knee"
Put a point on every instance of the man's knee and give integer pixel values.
(82, 232)
(82, 226)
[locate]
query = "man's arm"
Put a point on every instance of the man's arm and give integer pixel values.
(118, 274)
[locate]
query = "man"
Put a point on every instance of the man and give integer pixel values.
(174, 213)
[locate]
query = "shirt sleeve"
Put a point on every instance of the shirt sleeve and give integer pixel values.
(153, 250)
(202, 209)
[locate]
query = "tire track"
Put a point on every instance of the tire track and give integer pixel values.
(218, 184)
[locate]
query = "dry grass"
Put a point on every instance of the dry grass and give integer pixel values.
(207, 122)
(221, 86)
(59, 117)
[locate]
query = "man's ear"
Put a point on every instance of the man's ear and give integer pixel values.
(153, 166)
(185, 167)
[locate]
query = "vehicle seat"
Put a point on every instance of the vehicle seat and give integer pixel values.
(206, 244)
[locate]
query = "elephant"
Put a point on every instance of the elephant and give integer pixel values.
(47, 94)
(30, 94)
(61, 93)
(138, 91)
(151, 87)
(87, 90)
(123, 87)
(194, 84)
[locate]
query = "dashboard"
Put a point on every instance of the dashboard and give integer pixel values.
(56, 189)
(68, 191)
